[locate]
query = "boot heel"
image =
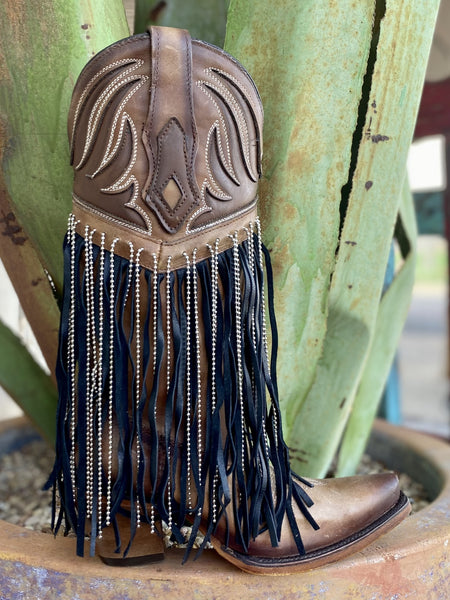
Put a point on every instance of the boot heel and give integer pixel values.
(147, 547)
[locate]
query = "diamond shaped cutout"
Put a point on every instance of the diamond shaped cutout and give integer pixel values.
(172, 193)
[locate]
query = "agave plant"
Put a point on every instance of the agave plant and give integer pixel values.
(341, 85)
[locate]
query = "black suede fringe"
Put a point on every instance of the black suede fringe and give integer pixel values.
(168, 408)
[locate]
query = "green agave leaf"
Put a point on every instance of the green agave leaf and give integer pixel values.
(341, 84)
(310, 93)
(25, 381)
(373, 205)
(43, 46)
(205, 19)
(390, 320)
(28, 278)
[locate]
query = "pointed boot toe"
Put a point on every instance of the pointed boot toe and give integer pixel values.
(348, 513)
(344, 507)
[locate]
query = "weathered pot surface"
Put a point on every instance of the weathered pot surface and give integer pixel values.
(412, 560)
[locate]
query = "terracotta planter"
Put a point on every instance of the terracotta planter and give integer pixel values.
(412, 560)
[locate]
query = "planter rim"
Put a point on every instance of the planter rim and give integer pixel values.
(411, 559)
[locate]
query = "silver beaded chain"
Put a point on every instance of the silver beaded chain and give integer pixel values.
(251, 261)
(70, 330)
(263, 318)
(88, 366)
(71, 353)
(198, 361)
(111, 380)
(90, 371)
(168, 375)
(214, 295)
(188, 379)
(155, 340)
(95, 356)
(138, 379)
(251, 255)
(130, 272)
(263, 300)
(100, 382)
(237, 302)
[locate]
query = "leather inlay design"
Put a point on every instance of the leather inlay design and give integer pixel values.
(171, 132)
(233, 106)
(232, 153)
(121, 124)
(165, 134)
(89, 88)
(172, 164)
(172, 193)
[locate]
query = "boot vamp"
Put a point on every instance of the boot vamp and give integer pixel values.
(342, 507)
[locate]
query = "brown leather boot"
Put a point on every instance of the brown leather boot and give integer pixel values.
(168, 404)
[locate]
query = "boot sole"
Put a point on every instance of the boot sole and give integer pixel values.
(297, 563)
(146, 547)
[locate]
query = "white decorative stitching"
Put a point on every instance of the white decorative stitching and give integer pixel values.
(111, 381)
(100, 104)
(226, 158)
(135, 63)
(124, 182)
(218, 221)
(108, 156)
(221, 89)
(238, 84)
(110, 218)
(127, 179)
(213, 185)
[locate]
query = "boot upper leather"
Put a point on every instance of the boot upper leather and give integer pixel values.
(165, 135)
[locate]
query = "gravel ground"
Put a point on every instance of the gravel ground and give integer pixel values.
(22, 475)
(24, 472)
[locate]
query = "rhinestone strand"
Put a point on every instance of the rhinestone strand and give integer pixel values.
(168, 373)
(93, 384)
(88, 366)
(155, 339)
(95, 366)
(70, 332)
(111, 379)
(71, 352)
(263, 301)
(237, 302)
(251, 250)
(130, 272)
(138, 380)
(264, 329)
(251, 260)
(199, 378)
(214, 284)
(188, 379)
(90, 383)
(100, 381)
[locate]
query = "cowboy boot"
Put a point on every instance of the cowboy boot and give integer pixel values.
(168, 400)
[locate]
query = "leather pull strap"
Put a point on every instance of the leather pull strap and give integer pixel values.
(170, 134)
